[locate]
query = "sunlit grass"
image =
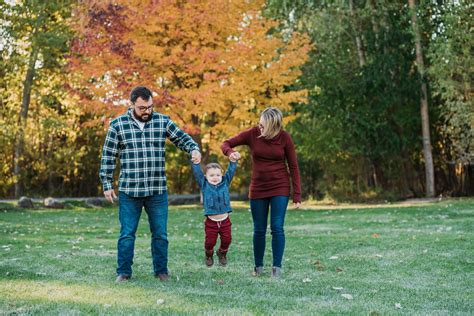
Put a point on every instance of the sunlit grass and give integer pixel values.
(391, 259)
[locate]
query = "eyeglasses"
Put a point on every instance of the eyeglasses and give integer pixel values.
(145, 108)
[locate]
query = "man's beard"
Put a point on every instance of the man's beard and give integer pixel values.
(139, 118)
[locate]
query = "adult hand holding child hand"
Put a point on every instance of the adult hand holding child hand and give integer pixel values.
(196, 157)
(234, 156)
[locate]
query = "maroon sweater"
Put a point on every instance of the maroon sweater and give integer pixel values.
(269, 170)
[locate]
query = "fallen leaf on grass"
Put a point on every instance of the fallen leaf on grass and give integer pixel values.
(398, 306)
(379, 256)
(334, 257)
(337, 288)
(339, 270)
(376, 235)
(160, 301)
(319, 266)
(306, 280)
(348, 296)
(220, 282)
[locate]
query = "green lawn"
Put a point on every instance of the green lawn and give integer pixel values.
(390, 260)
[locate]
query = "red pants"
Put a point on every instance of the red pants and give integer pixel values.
(213, 229)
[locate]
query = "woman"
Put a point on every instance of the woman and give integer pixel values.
(271, 149)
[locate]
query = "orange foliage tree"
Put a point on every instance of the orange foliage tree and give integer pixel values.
(213, 64)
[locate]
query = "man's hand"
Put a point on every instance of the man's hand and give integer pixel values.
(297, 205)
(110, 195)
(196, 156)
(234, 156)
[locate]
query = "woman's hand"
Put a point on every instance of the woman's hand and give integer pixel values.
(297, 205)
(234, 156)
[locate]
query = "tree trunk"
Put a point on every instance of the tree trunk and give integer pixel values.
(425, 122)
(375, 25)
(359, 43)
(22, 119)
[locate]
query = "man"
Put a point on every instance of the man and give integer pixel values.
(138, 139)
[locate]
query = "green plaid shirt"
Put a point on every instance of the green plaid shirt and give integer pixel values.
(141, 152)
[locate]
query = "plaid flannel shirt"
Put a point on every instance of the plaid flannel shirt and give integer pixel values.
(141, 152)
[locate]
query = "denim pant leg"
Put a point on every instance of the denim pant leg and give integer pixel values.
(259, 208)
(130, 209)
(156, 207)
(277, 221)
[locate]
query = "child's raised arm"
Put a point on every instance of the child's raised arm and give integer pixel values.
(230, 172)
(198, 174)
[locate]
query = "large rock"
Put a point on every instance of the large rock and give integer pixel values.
(96, 202)
(180, 199)
(53, 203)
(25, 202)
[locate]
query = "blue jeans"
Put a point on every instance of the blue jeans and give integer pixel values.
(260, 209)
(130, 209)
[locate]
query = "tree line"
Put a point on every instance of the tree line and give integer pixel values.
(377, 94)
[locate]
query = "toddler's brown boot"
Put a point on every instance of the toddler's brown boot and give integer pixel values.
(222, 257)
(209, 258)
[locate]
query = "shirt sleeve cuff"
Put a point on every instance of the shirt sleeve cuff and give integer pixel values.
(229, 151)
(107, 186)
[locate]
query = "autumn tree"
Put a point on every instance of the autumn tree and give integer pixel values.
(213, 64)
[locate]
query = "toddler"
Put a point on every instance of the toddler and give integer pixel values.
(216, 200)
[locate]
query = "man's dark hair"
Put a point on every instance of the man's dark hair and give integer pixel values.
(140, 92)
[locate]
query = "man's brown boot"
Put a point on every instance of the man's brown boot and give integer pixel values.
(162, 276)
(122, 278)
(222, 258)
(209, 258)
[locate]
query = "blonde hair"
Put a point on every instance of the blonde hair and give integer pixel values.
(272, 118)
(213, 165)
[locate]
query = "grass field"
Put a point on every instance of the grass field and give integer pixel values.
(396, 259)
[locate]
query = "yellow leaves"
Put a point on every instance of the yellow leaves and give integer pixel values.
(205, 139)
(215, 58)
